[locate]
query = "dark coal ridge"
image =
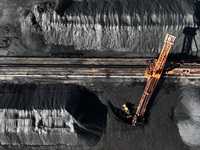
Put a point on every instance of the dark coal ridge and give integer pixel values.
(30, 96)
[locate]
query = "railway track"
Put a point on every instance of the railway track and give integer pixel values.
(72, 66)
(80, 68)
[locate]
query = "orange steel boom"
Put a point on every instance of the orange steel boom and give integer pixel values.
(154, 72)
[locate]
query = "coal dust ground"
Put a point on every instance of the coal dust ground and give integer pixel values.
(99, 107)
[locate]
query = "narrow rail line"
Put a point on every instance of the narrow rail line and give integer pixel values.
(74, 67)
(79, 68)
(73, 61)
(71, 66)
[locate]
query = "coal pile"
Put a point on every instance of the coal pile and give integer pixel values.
(187, 114)
(122, 28)
(50, 115)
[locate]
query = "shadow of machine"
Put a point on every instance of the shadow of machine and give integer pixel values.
(188, 54)
(190, 33)
(197, 12)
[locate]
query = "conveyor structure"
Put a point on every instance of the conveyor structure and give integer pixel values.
(154, 72)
